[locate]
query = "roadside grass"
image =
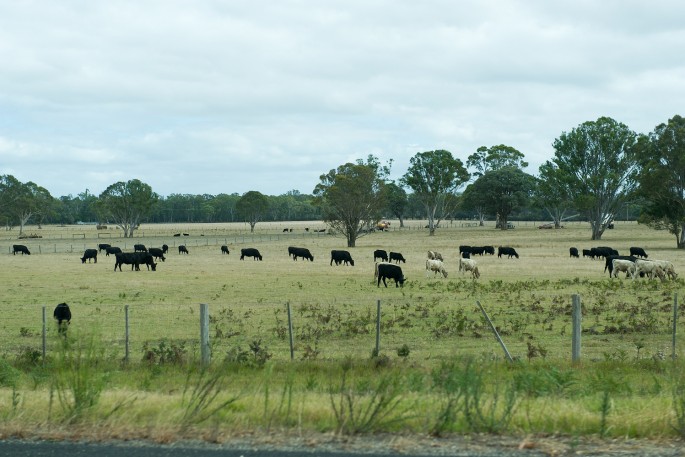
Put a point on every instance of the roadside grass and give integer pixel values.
(625, 385)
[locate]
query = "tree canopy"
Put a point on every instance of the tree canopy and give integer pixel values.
(126, 204)
(435, 177)
(252, 207)
(351, 198)
(595, 163)
(662, 178)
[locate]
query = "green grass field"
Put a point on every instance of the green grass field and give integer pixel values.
(431, 321)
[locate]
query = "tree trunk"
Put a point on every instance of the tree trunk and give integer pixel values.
(401, 222)
(680, 239)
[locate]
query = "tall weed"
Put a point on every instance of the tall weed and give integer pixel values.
(201, 396)
(488, 411)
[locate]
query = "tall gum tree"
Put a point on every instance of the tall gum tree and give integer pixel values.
(352, 198)
(662, 178)
(595, 162)
(252, 207)
(126, 204)
(435, 177)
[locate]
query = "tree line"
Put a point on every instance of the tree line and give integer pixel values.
(600, 170)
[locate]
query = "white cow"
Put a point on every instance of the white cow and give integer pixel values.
(628, 266)
(668, 268)
(435, 255)
(650, 269)
(436, 266)
(469, 265)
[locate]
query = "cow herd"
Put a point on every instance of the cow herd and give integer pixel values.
(634, 265)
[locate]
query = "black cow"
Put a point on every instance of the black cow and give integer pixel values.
(573, 252)
(464, 248)
(380, 254)
(503, 250)
(250, 252)
(588, 253)
(489, 250)
(609, 261)
(165, 248)
(389, 271)
(103, 247)
(466, 255)
(224, 249)
(62, 315)
(638, 252)
(112, 250)
(477, 250)
(90, 254)
(135, 259)
(603, 251)
(20, 248)
(182, 249)
(157, 253)
(396, 257)
(301, 252)
(341, 257)
(139, 248)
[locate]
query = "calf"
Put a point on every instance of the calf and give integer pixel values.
(157, 253)
(182, 249)
(573, 252)
(385, 271)
(649, 269)
(380, 254)
(504, 250)
(62, 315)
(20, 248)
(588, 253)
(139, 248)
(469, 265)
(638, 252)
(436, 266)
(343, 257)
(224, 249)
(396, 257)
(609, 261)
(165, 248)
(112, 250)
(250, 252)
(620, 265)
(103, 247)
(90, 254)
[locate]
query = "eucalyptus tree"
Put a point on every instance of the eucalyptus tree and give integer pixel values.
(127, 204)
(397, 201)
(493, 158)
(662, 178)
(435, 177)
(553, 194)
(252, 207)
(352, 197)
(595, 162)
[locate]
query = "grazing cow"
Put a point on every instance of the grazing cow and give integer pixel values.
(604, 251)
(112, 250)
(588, 253)
(385, 271)
(489, 250)
(638, 252)
(609, 259)
(476, 250)
(463, 249)
(103, 247)
(466, 255)
(134, 259)
(224, 249)
(396, 257)
(139, 248)
(90, 254)
(573, 252)
(620, 265)
(435, 255)
(504, 250)
(182, 249)
(436, 266)
(380, 254)
(250, 252)
(147, 259)
(62, 315)
(20, 248)
(649, 268)
(157, 253)
(165, 248)
(469, 265)
(667, 267)
(301, 252)
(341, 257)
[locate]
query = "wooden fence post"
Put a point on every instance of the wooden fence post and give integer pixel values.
(204, 333)
(577, 330)
(290, 333)
(494, 330)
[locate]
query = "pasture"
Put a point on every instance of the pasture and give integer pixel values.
(430, 329)
(334, 307)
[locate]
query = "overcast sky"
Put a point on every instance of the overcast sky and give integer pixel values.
(209, 97)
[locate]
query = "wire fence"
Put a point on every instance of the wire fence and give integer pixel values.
(324, 331)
